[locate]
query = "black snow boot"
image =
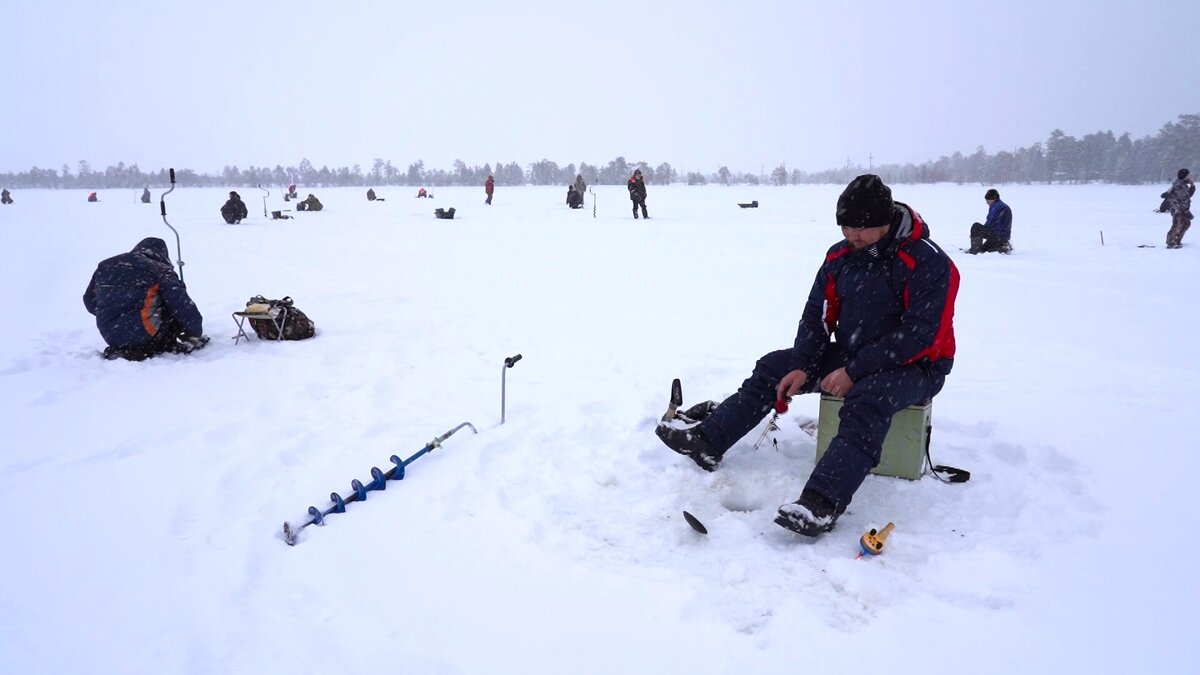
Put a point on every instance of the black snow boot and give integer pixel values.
(810, 515)
(690, 443)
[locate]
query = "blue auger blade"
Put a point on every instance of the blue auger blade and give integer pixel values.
(397, 472)
(379, 481)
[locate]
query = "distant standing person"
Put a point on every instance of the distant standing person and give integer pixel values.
(489, 186)
(580, 186)
(234, 209)
(5, 197)
(1178, 201)
(637, 193)
(146, 195)
(993, 234)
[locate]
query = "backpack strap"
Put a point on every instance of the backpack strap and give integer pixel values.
(952, 474)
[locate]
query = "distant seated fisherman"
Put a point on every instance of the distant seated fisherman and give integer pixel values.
(234, 209)
(311, 203)
(145, 195)
(993, 234)
(141, 307)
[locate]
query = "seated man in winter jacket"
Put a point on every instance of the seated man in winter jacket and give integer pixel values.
(141, 307)
(234, 209)
(311, 203)
(993, 234)
(574, 197)
(877, 330)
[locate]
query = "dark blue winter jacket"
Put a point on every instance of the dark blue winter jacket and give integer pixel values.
(888, 305)
(135, 294)
(999, 221)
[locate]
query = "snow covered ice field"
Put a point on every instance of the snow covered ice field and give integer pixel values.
(143, 501)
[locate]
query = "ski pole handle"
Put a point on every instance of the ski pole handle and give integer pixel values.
(511, 361)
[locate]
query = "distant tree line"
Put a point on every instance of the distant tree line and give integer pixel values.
(1097, 157)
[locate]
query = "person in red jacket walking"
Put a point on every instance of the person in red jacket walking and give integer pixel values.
(489, 186)
(637, 193)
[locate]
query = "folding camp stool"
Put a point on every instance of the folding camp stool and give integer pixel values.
(277, 315)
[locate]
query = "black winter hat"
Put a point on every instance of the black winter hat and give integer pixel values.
(866, 202)
(1183, 173)
(991, 194)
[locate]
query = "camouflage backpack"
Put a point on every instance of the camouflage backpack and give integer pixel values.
(296, 324)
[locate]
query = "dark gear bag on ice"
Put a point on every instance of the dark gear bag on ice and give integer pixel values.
(296, 324)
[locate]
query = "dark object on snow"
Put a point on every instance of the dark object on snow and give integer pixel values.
(371, 196)
(278, 215)
(141, 306)
(444, 214)
(234, 209)
(751, 205)
(92, 197)
(180, 345)
(6, 197)
(695, 523)
(145, 195)
(296, 324)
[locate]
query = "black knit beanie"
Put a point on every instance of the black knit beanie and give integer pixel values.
(866, 202)
(1183, 173)
(993, 193)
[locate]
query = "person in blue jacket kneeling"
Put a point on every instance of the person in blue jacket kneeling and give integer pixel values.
(994, 233)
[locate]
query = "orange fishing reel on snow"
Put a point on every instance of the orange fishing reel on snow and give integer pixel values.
(872, 542)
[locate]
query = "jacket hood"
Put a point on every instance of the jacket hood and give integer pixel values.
(153, 248)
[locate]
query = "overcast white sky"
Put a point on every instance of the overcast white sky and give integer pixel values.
(697, 84)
